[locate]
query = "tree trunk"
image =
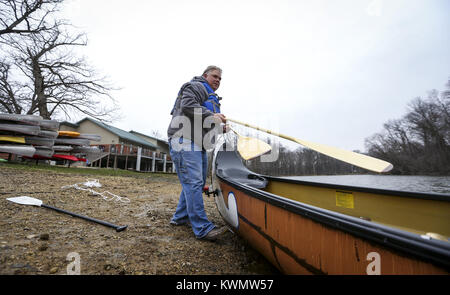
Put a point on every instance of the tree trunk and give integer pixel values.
(39, 90)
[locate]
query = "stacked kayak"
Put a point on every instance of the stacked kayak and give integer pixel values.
(33, 137)
(75, 146)
(27, 135)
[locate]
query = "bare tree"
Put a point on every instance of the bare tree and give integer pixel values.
(26, 16)
(157, 134)
(10, 98)
(42, 74)
(58, 80)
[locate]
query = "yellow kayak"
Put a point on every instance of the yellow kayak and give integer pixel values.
(68, 133)
(16, 139)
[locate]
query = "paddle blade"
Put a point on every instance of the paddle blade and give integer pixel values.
(360, 160)
(24, 200)
(250, 148)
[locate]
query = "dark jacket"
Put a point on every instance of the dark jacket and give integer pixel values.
(189, 105)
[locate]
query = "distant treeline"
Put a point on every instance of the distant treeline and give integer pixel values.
(301, 162)
(418, 143)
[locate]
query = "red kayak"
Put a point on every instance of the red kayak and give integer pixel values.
(65, 157)
(57, 157)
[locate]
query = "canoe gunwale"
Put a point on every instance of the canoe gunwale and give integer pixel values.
(435, 251)
(394, 193)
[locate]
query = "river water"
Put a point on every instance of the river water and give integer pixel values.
(424, 184)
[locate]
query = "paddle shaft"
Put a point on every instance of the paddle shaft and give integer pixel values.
(353, 158)
(116, 227)
(234, 131)
(262, 129)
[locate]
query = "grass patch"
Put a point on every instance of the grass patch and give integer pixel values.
(30, 166)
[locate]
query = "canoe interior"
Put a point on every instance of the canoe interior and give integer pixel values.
(413, 212)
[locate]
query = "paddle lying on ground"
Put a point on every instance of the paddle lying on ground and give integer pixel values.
(250, 147)
(353, 158)
(24, 200)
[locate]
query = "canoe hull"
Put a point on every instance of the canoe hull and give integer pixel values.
(299, 245)
(301, 238)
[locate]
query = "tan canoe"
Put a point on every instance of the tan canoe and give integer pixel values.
(314, 228)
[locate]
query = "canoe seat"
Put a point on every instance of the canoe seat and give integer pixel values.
(230, 166)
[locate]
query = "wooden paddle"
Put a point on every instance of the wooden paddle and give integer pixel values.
(250, 148)
(353, 158)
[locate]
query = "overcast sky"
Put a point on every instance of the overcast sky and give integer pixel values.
(326, 71)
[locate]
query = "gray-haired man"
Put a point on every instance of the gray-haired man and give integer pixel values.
(196, 103)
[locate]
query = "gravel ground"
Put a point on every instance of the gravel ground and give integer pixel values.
(35, 240)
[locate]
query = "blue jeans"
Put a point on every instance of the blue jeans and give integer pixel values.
(191, 165)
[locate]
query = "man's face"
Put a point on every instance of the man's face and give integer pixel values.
(213, 79)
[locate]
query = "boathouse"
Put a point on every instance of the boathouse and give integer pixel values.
(124, 150)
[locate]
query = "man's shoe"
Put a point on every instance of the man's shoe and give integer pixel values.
(214, 233)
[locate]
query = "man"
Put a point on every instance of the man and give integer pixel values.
(196, 104)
